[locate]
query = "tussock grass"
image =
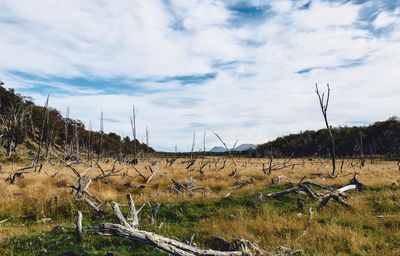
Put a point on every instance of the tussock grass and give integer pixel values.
(371, 227)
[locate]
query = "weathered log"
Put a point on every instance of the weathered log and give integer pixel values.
(153, 173)
(134, 217)
(92, 205)
(78, 227)
(110, 173)
(69, 165)
(83, 184)
(88, 194)
(140, 174)
(284, 192)
(236, 244)
(168, 245)
(165, 244)
(338, 194)
(170, 162)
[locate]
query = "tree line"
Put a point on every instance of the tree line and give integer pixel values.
(380, 138)
(24, 123)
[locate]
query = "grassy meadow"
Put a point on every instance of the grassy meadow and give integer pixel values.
(38, 212)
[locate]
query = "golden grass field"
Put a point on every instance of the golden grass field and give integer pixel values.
(370, 227)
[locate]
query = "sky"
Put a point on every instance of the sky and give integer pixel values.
(244, 69)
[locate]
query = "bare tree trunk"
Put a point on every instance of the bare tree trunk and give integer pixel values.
(99, 155)
(66, 133)
(90, 156)
(147, 142)
(42, 131)
(48, 139)
(324, 108)
(133, 126)
(271, 157)
(362, 160)
(77, 150)
(193, 145)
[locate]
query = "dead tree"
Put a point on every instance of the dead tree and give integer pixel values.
(133, 127)
(190, 186)
(48, 134)
(190, 162)
(107, 174)
(338, 195)
(324, 109)
(18, 174)
(147, 142)
(362, 159)
(226, 147)
(76, 140)
(271, 157)
(146, 180)
(38, 156)
(78, 227)
(193, 145)
(204, 153)
(10, 124)
(170, 162)
(89, 145)
(100, 153)
(66, 133)
(129, 229)
(81, 189)
(304, 188)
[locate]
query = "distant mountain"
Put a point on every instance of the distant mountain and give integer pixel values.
(217, 150)
(242, 147)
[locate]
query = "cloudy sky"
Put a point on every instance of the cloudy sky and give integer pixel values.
(245, 69)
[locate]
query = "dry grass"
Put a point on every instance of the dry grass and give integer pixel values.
(356, 231)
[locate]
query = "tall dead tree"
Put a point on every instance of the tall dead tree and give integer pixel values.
(147, 142)
(193, 145)
(48, 134)
(271, 157)
(133, 126)
(42, 133)
(324, 103)
(9, 126)
(204, 145)
(362, 158)
(76, 138)
(89, 145)
(66, 133)
(99, 155)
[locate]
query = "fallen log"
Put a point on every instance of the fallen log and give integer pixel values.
(303, 188)
(78, 227)
(165, 244)
(338, 194)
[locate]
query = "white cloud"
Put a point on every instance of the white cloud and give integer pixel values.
(386, 18)
(257, 93)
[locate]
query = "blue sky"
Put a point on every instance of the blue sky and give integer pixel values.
(245, 69)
